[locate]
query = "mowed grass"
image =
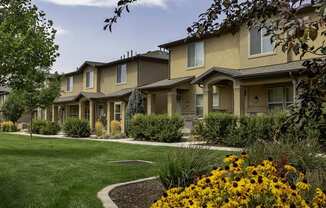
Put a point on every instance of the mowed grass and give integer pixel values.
(58, 173)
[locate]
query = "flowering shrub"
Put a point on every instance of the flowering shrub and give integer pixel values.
(8, 126)
(239, 184)
(115, 128)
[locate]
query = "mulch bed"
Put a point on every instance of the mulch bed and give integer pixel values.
(139, 195)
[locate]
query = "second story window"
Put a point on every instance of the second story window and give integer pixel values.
(195, 54)
(259, 42)
(89, 79)
(122, 74)
(70, 83)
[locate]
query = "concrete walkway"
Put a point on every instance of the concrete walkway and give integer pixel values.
(195, 144)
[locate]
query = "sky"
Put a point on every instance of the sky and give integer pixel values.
(81, 36)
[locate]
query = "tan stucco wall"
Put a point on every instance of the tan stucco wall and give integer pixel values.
(229, 51)
(108, 78)
(150, 72)
(77, 87)
(220, 51)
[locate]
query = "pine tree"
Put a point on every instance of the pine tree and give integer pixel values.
(135, 106)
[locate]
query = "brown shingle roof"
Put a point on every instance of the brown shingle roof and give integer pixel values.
(254, 72)
(65, 99)
(167, 83)
(87, 95)
(119, 93)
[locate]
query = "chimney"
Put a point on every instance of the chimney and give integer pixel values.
(127, 54)
(131, 53)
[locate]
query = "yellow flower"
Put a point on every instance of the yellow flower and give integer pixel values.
(289, 168)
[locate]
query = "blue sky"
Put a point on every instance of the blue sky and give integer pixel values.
(151, 23)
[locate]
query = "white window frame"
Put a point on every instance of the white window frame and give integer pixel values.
(126, 74)
(91, 79)
(70, 84)
(261, 43)
(115, 113)
(284, 101)
(203, 56)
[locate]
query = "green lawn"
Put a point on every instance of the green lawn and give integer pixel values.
(61, 173)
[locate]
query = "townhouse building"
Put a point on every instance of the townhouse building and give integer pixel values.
(241, 73)
(100, 91)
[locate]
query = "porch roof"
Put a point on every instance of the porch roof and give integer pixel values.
(254, 72)
(87, 95)
(65, 99)
(120, 93)
(167, 83)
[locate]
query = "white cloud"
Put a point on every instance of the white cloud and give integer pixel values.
(60, 30)
(105, 3)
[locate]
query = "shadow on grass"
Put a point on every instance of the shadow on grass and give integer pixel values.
(11, 193)
(69, 153)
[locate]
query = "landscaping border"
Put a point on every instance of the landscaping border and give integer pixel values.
(104, 194)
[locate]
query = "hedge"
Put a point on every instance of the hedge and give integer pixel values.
(75, 127)
(227, 129)
(45, 127)
(159, 128)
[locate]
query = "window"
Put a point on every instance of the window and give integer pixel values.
(195, 54)
(74, 111)
(117, 111)
(89, 79)
(199, 105)
(70, 84)
(122, 74)
(279, 98)
(259, 42)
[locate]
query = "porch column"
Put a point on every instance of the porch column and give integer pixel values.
(237, 100)
(53, 113)
(39, 114)
(123, 117)
(294, 83)
(46, 114)
(150, 104)
(91, 114)
(207, 99)
(80, 110)
(109, 115)
(172, 102)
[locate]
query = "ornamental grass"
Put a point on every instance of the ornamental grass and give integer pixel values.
(270, 184)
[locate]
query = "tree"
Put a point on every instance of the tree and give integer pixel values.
(13, 108)
(26, 42)
(39, 93)
(289, 29)
(135, 106)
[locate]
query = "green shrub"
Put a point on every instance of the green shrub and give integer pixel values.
(8, 126)
(160, 128)
(253, 128)
(37, 126)
(227, 129)
(183, 166)
(215, 127)
(51, 128)
(45, 127)
(74, 127)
